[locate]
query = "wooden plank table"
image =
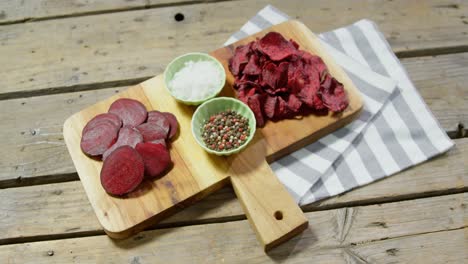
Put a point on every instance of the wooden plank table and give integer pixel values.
(61, 56)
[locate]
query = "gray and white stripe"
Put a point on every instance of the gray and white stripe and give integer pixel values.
(395, 131)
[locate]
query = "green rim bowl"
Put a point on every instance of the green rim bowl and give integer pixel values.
(214, 106)
(178, 63)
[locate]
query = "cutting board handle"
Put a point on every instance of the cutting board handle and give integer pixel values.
(272, 212)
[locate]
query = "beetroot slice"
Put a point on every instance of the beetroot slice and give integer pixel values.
(254, 102)
(334, 97)
(173, 124)
(130, 111)
(159, 141)
(128, 136)
(97, 139)
(159, 119)
(156, 158)
(152, 131)
(275, 46)
(239, 59)
(122, 171)
(103, 117)
(253, 67)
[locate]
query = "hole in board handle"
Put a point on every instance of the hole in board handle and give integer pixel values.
(278, 215)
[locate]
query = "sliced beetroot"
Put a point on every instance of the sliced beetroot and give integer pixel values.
(158, 118)
(282, 109)
(270, 105)
(128, 136)
(253, 66)
(97, 139)
(294, 43)
(155, 157)
(254, 102)
(159, 141)
(132, 112)
(239, 59)
(294, 103)
(153, 131)
(277, 80)
(275, 46)
(309, 96)
(173, 124)
(114, 119)
(122, 171)
(334, 98)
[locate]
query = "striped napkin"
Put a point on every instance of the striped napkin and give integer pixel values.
(396, 130)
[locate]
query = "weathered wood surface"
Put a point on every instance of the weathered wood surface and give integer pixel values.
(13, 11)
(62, 209)
(126, 47)
(33, 150)
(365, 234)
(89, 52)
(447, 74)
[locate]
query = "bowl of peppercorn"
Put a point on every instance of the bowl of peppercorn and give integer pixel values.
(223, 125)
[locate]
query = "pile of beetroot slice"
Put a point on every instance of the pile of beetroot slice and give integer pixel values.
(277, 80)
(132, 143)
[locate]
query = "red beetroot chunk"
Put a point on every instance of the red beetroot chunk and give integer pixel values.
(160, 119)
(128, 136)
(156, 158)
(159, 141)
(152, 131)
(122, 171)
(103, 117)
(132, 112)
(96, 140)
(174, 125)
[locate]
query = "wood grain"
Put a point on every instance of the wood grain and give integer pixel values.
(12, 11)
(33, 150)
(30, 213)
(443, 74)
(194, 174)
(274, 214)
(122, 53)
(366, 234)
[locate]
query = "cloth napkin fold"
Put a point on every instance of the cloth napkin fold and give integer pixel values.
(396, 130)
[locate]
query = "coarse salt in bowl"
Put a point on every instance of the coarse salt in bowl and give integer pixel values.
(194, 78)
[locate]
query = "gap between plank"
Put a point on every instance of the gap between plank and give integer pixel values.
(41, 238)
(38, 180)
(108, 11)
(431, 51)
(383, 200)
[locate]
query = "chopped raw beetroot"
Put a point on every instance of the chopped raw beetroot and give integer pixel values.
(277, 80)
(240, 59)
(253, 66)
(276, 47)
(294, 103)
(334, 98)
(270, 105)
(255, 104)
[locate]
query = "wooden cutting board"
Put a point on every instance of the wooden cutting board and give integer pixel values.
(272, 212)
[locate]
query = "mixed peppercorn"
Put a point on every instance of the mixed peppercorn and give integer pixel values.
(225, 131)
